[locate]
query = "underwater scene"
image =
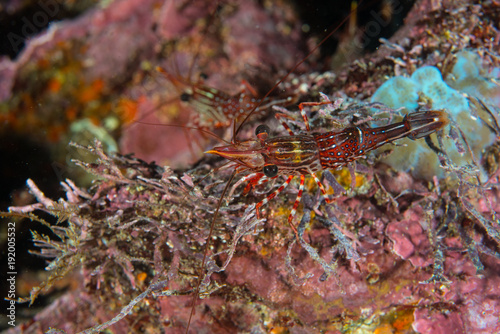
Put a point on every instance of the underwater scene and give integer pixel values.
(196, 166)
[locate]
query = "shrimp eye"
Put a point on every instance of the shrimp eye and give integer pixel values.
(185, 97)
(270, 170)
(262, 131)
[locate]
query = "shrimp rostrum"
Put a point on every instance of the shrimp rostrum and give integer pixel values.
(267, 157)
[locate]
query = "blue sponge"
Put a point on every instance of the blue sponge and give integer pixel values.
(427, 87)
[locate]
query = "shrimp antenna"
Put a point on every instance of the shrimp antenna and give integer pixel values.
(210, 133)
(204, 34)
(352, 12)
(207, 245)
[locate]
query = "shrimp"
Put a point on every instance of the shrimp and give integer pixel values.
(307, 154)
(216, 108)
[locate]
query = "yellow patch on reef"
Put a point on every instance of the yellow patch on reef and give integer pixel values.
(310, 185)
(343, 177)
(278, 330)
(395, 321)
(283, 211)
(360, 180)
(383, 329)
(383, 288)
(319, 306)
(265, 251)
(403, 319)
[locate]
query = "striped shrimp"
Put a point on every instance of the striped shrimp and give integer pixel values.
(216, 108)
(299, 155)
